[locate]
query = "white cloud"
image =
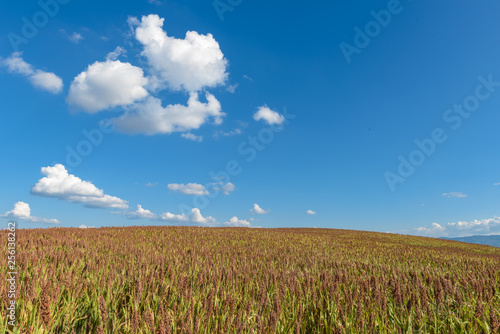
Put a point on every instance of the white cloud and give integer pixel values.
(117, 52)
(476, 225)
(22, 211)
(75, 37)
(150, 117)
(84, 226)
(497, 184)
(140, 213)
(188, 189)
(107, 84)
(258, 210)
(227, 134)
(247, 77)
(47, 81)
(227, 188)
(463, 228)
(194, 217)
(58, 183)
(267, 115)
(232, 88)
(435, 228)
(16, 64)
(190, 64)
(235, 222)
(310, 212)
(150, 184)
(200, 190)
(193, 137)
(454, 194)
(171, 217)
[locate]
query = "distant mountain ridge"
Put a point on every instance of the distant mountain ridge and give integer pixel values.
(491, 240)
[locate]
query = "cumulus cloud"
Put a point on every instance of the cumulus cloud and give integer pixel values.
(106, 85)
(235, 222)
(47, 81)
(463, 228)
(190, 136)
(150, 117)
(60, 184)
(194, 217)
(190, 64)
(167, 216)
(434, 228)
(477, 225)
(22, 211)
(269, 116)
(310, 212)
(454, 194)
(188, 189)
(140, 213)
(258, 210)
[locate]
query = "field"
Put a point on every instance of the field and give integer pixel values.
(239, 280)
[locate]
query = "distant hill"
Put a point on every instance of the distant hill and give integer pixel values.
(491, 240)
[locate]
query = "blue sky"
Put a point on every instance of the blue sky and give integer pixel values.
(333, 96)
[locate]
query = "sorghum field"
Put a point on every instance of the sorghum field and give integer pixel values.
(240, 280)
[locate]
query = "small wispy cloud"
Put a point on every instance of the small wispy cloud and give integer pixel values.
(117, 52)
(150, 184)
(310, 212)
(454, 194)
(75, 37)
(193, 137)
(234, 132)
(188, 189)
(232, 88)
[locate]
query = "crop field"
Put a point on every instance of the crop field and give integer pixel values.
(240, 280)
